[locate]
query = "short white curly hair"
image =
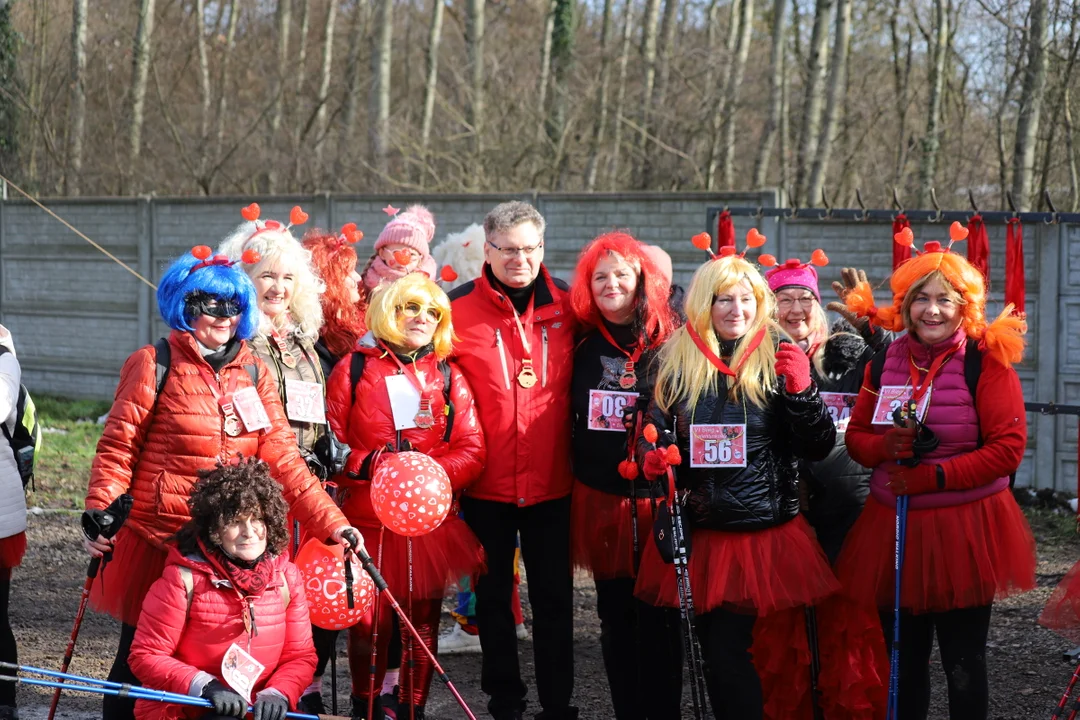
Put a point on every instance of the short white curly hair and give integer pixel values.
(278, 248)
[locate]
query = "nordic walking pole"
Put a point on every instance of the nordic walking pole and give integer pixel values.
(893, 710)
(815, 662)
(384, 589)
(106, 526)
(1065, 698)
(373, 666)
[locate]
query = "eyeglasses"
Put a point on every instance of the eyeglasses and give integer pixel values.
(786, 302)
(213, 307)
(414, 309)
(509, 253)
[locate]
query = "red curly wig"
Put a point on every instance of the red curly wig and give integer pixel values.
(654, 318)
(334, 260)
(1003, 338)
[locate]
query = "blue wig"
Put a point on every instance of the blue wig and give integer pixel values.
(223, 282)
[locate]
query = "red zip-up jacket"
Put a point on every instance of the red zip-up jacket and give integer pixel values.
(527, 429)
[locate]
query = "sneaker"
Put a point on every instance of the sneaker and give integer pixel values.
(389, 703)
(312, 704)
(522, 632)
(457, 640)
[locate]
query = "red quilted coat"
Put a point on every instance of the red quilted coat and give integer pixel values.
(174, 643)
(154, 454)
(369, 424)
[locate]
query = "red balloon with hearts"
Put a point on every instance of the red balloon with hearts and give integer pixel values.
(327, 588)
(411, 493)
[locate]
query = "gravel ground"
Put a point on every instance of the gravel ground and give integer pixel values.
(1027, 672)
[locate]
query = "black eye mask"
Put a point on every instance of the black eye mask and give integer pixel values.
(203, 304)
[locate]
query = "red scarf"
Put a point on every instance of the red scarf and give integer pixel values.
(245, 580)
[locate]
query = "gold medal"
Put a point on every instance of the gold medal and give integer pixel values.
(286, 356)
(288, 359)
(424, 419)
(527, 377)
(232, 426)
(628, 379)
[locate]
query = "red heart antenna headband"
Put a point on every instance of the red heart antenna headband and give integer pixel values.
(754, 239)
(349, 234)
(207, 258)
(251, 213)
(957, 233)
(818, 258)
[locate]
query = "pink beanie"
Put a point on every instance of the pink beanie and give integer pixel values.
(794, 273)
(413, 228)
(660, 259)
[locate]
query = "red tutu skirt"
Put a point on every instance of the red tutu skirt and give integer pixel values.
(124, 581)
(601, 534)
(854, 669)
(1062, 611)
(757, 572)
(439, 559)
(12, 550)
(954, 557)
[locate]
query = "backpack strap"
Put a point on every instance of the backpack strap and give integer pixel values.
(973, 358)
(189, 587)
(20, 401)
(444, 367)
(162, 359)
(877, 367)
(356, 371)
(286, 593)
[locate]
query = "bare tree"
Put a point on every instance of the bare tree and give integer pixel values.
(324, 84)
(431, 84)
(814, 98)
(932, 140)
(137, 97)
(562, 58)
(722, 153)
(834, 100)
(282, 21)
(776, 92)
(474, 45)
(901, 82)
(204, 84)
(77, 113)
(620, 98)
(663, 73)
(543, 81)
(1031, 95)
(379, 123)
(600, 122)
(350, 108)
(650, 25)
(224, 81)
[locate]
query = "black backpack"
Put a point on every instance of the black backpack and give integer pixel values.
(163, 358)
(972, 370)
(25, 441)
(356, 371)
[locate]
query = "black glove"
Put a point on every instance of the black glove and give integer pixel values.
(107, 522)
(405, 446)
(629, 413)
(269, 706)
(225, 700)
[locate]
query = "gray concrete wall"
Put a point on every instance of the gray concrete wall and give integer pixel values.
(76, 315)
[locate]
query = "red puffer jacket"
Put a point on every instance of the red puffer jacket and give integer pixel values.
(369, 423)
(531, 427)
(154, 453)
(174, 642)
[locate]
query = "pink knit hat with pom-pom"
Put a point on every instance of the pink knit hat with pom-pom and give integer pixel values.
(414, 228)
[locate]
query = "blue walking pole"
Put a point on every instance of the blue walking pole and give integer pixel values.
(892, 712)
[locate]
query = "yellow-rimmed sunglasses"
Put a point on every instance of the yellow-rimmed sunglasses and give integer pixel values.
(415, 309)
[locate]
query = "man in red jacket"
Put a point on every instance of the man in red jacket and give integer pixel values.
(516, 350)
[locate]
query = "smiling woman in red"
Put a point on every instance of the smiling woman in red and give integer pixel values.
(967, 541)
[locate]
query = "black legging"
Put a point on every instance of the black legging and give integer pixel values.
(961, 636)
(116, 708)
(9, 653)
(730, 677)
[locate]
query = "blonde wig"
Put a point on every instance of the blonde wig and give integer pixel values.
(685, 373)
(383, 313)
(277, 248)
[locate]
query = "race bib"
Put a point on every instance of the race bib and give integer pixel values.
(250, 408)
(839, 406)
(891, 397)
(240, 671)
(715, 446)
(606, 409)
(304, 401)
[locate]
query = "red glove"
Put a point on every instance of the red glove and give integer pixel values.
(655, 465)
(794, 365)
(916, 480)
(898, 443)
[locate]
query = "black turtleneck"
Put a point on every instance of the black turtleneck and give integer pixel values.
(518, 297)
(622, 334)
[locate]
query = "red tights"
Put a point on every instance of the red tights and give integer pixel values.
(425, 618)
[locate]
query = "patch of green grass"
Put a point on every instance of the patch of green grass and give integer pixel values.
(1053, 527)
(62, 469)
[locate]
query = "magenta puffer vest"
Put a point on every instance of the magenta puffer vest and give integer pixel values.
(950, 414)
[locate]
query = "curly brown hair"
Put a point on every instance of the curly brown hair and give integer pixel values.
(232, 490)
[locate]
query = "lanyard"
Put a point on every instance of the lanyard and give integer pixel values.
(919, 390)
(715, 359)
(527, 377)
(232, 425)
(283, 349)
(628, 379)
(424, 418)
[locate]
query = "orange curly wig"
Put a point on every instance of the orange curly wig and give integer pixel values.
(1003, 338)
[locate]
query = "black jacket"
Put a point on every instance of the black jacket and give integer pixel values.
(837, 486)
(765, 493)
(596, 453)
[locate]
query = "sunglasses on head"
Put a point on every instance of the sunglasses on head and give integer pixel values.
(202, 304)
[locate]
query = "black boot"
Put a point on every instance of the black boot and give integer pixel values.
(312, 704)
(359, 709)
